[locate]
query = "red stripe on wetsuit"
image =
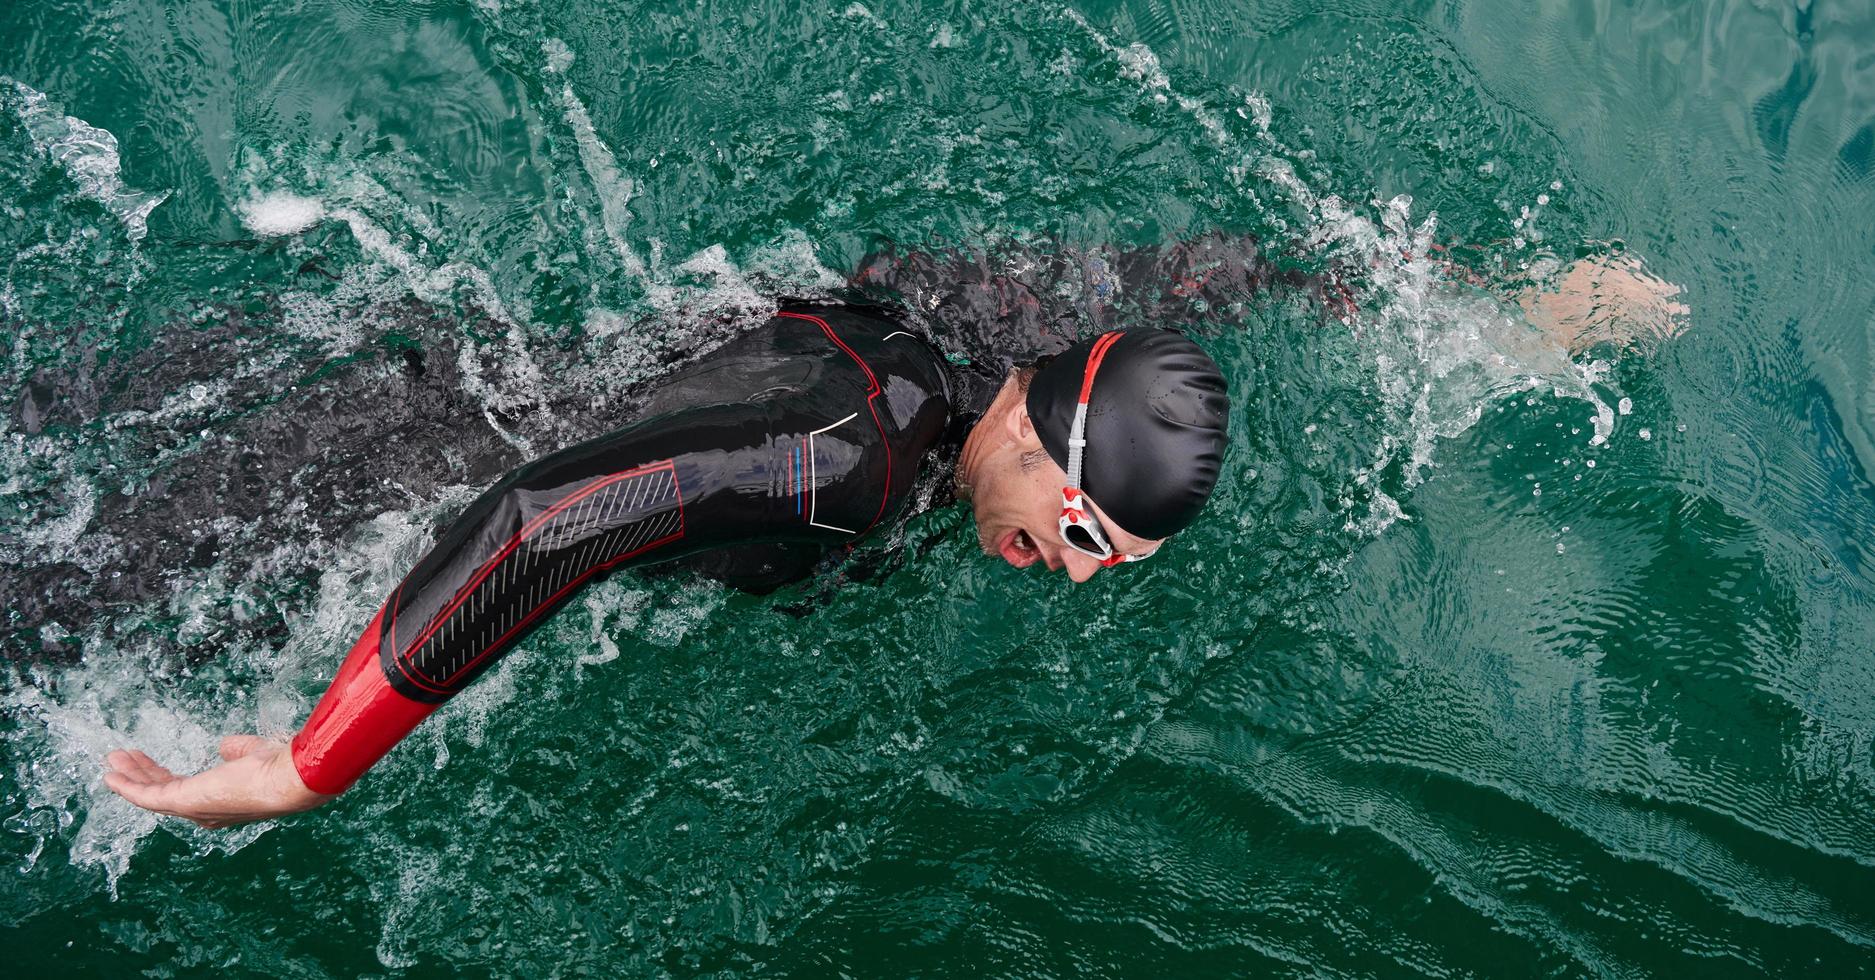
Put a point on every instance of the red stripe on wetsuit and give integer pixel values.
(361, 717)
(873, 391)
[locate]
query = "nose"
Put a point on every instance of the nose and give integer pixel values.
(1080, 567)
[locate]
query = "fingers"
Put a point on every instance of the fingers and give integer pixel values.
(235, 746)
(136, 777)
(249, 785)
(135, 766)
(148, 795)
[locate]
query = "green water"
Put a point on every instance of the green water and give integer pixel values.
(1441, 684)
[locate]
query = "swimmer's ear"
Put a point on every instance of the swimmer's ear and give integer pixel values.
(1022, 428)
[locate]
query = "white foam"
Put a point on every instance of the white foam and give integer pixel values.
(614, 188)
(144, 698)
(401, 266)
(59, 537)
(67, 735)
(559, 56)
(1441, 351)
(88, 155)
(72, 716)
(281, 213)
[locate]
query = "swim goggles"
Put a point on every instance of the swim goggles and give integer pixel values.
(1080, 530)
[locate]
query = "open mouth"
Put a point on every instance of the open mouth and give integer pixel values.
(1018, 549)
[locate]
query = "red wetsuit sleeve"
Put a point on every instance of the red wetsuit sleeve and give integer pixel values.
(520, 551)
(357, 721)
(500, 569)
(733, 474)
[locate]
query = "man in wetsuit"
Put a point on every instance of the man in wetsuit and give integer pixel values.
(753, 463)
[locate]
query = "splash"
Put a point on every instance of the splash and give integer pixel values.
(93, 713)
(1439, 351)
(281, 213)
(71, 717)
(614, 188)
(88, 155)
(149, 696)
(1436, 354)
(1442, 351)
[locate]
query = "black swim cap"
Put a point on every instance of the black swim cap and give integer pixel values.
(1155, 427)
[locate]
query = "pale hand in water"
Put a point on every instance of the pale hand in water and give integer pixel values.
(1606, 298)
(256, 781)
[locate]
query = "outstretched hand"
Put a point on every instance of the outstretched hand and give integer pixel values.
(256, 781)
(1606, 298)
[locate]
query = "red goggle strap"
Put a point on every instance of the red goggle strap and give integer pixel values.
(1094, 358)
(1073, 501)
(1077, 432)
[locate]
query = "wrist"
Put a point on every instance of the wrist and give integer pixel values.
(290, 788)
(355, 723)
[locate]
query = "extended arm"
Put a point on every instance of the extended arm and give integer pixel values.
(669, 486)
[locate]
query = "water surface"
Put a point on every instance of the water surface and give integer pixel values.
(1483, 661)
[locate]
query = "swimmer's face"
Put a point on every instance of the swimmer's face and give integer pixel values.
(1016, 496)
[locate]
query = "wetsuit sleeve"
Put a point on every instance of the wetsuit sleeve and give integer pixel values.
(667, 487)
(1005, 308)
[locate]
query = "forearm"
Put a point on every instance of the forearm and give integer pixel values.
(357, 721)
(520, 552)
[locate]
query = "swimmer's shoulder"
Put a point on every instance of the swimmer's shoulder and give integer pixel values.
(808, 349)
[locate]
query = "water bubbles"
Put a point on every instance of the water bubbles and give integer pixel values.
(280, 213)
(1625, 406)
(559, 56)
(89, 155)
(1646, 434)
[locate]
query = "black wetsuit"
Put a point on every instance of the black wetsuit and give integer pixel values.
(793, 439)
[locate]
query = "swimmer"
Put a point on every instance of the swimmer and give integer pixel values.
(759, 460)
